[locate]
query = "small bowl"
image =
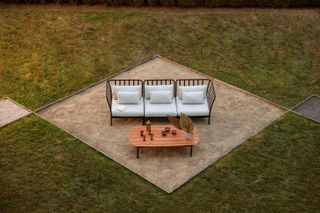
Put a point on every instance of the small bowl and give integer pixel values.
(174, 132)
(167, 129)
(164, 133)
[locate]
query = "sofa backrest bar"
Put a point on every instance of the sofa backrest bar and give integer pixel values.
(211, 95)
(126, 82)
(192, 82)
(159, 82)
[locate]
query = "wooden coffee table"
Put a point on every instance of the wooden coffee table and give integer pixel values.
(161, 141)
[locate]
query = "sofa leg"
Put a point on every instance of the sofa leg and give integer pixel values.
(209, 120)
(110, 121)
(143, 121)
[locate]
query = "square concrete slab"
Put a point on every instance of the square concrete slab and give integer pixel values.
(237, 115)
(309, 108)
(11, 111)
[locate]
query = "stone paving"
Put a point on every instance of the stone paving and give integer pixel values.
(309, 108)
(237, 115)
(10, 111)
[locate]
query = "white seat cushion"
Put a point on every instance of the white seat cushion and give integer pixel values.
(160, 110)
(192, 109)
(131, 110)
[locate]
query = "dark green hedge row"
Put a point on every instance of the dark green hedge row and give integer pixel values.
(183, 3)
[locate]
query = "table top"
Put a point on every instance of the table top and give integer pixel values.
(161, 141)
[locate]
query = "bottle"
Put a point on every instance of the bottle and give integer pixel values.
(148, 126)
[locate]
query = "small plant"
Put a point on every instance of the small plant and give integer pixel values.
(174, 132)
(174, 121)
(185, 123)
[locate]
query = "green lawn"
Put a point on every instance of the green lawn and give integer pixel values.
(43, 168)
(45, 55)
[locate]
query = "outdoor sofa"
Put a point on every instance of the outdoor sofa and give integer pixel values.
(156, 98)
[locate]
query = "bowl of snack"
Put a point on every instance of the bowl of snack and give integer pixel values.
(174, 132)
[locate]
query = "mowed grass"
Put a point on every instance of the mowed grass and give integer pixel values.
(46, 55)
(44, 169)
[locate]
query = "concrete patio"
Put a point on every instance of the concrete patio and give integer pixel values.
(11, 111)
(237, 115)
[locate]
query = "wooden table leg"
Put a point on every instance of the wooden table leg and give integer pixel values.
(138, 152)
(190, 151)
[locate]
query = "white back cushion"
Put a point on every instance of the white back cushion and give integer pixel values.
(193, 97)
(158, 88)
(161, 97)
(128, 97)
(117, 89)
(199, 88)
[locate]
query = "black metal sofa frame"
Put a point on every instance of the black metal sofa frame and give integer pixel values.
(211, 95)
(122, 82)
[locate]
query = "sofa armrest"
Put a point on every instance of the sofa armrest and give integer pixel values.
(211, 95)
(109, 96)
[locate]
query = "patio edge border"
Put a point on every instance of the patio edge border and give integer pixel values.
(188, 69)
(286, 110)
